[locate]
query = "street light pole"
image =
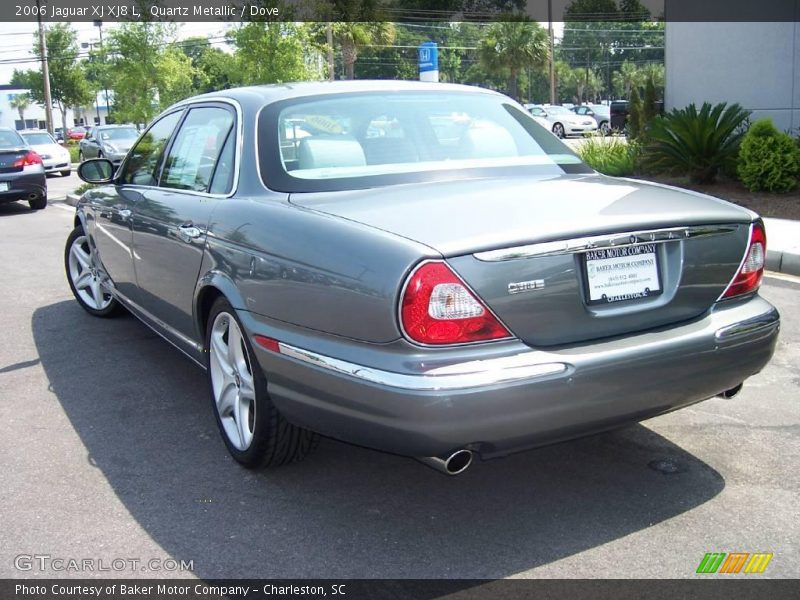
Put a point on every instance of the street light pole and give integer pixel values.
(99, 24)
(552, 52)
(48, 100)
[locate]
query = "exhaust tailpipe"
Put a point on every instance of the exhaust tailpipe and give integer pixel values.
(734, 391)
(450, 464)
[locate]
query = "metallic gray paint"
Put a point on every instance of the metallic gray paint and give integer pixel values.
(322, 274)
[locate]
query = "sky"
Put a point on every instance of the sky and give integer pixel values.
(16, 41)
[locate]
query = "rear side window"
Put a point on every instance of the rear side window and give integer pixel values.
(10, 139)
(143, 163)
(198, 150)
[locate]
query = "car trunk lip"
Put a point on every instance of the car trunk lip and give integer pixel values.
(584, 244)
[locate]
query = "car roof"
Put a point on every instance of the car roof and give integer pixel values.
(267, 94)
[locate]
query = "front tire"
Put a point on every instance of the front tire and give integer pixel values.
(558, 130)
(86, 278)
(253, 430)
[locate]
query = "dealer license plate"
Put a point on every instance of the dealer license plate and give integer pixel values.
(3, 186)
(623, 273)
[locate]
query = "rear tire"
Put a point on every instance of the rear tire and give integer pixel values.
(80, 156)
(38, 203)
(255, 433)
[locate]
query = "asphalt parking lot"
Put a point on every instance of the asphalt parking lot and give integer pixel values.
(109, 449)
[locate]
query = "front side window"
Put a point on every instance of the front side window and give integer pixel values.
(358, 140)
(198, 145)
(144, 160)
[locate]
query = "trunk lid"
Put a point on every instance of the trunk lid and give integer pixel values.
(8, 156)
(690, 246)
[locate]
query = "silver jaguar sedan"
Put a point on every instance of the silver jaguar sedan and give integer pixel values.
(418, 268)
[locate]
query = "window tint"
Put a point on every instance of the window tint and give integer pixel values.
(223, 174)
(10, 139)
(38, 139)
(193, 156)
(142, 165)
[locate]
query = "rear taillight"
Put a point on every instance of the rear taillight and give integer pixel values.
(437, 308)
(749, 275)
(30, 159)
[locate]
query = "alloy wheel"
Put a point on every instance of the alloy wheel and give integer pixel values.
(87, 276)
(232, 381)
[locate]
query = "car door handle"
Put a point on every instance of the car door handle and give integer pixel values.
(189, 232)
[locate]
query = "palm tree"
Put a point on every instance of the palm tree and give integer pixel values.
(21, 102)
(353, 36)
(513, 45)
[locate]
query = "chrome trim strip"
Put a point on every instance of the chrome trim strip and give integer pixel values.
(155, 322)
(582, 244)
(769, 320)
(471, 374)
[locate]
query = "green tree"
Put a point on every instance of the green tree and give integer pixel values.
(628, 77)
(147, 71)
(68, 84)
(649, 107)
(511, 46)
(351, 37)
(272, 52)
(214, 69)
(21, 102)
(634, 115)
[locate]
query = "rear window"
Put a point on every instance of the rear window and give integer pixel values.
(353, 141)
(10, 139)
(38, 139)
(118, 133)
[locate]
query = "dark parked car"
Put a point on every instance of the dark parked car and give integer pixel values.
(22, 174)
(108, 141)
(418, 268)
(619, 114)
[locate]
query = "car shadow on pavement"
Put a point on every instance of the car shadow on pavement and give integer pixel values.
(145, 420)
(11, 209)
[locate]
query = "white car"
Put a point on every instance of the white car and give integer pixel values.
(537, 116)
(55, 157)
(601, 113)
(562, 121)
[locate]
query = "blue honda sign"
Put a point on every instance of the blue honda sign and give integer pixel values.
(429, 62)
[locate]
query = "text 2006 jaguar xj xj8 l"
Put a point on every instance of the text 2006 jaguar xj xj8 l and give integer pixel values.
(417, 268)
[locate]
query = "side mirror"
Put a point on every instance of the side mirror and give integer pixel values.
(96, 170)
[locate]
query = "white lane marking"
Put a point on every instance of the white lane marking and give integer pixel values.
(781, 276)
(64, 207)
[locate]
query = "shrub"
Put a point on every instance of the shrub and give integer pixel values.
(84, 187)
(696, 143)
(769, 160)
(610, 156)
(634, 115)
(73, 152)
(649, 107)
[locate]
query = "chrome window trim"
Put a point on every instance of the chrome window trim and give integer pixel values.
(237, 160)
(470, 374)
(583, 244)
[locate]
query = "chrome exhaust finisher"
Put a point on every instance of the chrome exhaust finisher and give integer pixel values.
(452, 464)
(734, 391)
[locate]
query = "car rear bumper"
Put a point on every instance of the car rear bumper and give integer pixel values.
(25, 185)
(517, 397)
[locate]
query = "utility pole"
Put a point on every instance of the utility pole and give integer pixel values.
(99, 24)
(552, 52)
(329, 36)
(48, 100)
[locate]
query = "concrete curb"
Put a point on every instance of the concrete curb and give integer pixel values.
(72, 199)
(783, 262)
